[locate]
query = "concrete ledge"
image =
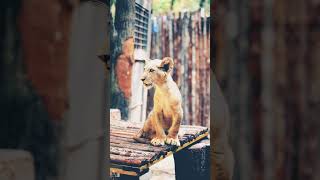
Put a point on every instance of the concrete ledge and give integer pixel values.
(16, 165)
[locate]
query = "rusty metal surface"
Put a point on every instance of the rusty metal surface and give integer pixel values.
(126, 153)
(45, 27)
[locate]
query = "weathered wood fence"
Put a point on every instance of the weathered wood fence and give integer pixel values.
(186, 38)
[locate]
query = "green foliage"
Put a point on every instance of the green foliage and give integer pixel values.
(175, 6)
(164, 6)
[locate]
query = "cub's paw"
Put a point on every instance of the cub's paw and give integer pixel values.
(157, 142)
(172, 141)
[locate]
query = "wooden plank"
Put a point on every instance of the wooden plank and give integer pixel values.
(123, 139)
(147, 165)
(130, 152)
(117, 170)
(120, 135)
(124, 129)
(131, 158)
(128, 160)
(122, 132)
(138, 147)
(121, 171)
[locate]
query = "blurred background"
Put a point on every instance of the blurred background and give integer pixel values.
(52, 89)
(268, 64)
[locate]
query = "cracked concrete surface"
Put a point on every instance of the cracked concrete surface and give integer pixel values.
(161, 170)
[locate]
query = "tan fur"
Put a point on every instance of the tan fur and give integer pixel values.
(163, 123)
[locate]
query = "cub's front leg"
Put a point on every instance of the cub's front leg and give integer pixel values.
(172, 137)
(146, 131)
(160, 136)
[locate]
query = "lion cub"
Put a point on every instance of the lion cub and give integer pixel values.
(163, 123)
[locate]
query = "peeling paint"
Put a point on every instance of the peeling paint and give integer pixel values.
(124, 67)
(45, 27)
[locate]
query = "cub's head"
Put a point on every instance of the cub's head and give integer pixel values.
(156, 71)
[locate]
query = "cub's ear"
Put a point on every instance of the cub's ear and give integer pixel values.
(167, 64)
(146, 61)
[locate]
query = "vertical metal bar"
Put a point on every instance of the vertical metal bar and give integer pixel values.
(245, 121)
(267, 91)
(142, 45)
(193, 73)
(145, 92)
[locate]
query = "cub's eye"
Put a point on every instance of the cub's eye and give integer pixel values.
(151, 70)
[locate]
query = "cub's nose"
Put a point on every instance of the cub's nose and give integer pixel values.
(142, 79)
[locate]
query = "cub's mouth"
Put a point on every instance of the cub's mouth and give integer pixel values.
(147, 85)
